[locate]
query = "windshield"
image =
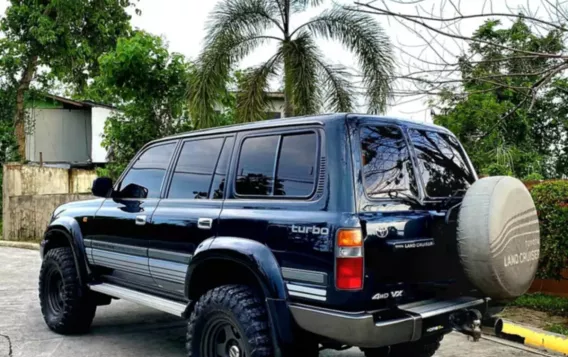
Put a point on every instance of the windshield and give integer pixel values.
(442, 164)
(387, 168)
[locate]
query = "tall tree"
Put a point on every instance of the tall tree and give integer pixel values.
(62, 37)
(148, 85)
(237, 27)
(505, 128)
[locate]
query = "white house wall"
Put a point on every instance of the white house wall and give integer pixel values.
(99, 116)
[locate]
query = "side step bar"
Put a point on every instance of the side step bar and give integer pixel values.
(172, 307)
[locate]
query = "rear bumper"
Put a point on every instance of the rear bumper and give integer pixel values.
(365, 329)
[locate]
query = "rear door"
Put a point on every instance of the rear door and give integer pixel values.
(410, 250)
(189, 212)
(120, 234)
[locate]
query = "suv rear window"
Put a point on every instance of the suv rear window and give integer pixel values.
(387, 168)
(441, 163)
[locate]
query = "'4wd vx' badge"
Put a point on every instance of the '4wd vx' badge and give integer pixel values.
(393, 294)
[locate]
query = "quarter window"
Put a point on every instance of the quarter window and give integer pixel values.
(278, 165)
(296, 165)
(194, 170)
(255, 173)
(144, 179)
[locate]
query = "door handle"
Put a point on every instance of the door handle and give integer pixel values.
(141, 220)
(204, 223)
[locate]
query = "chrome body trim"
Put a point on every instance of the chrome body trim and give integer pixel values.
(172, 307)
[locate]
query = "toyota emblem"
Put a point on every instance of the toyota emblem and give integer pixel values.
(383, 231)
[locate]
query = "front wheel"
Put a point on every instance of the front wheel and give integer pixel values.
(422, 348)
(66, 305)
(229, 320)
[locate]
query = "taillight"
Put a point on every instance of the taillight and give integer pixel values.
(349, 259)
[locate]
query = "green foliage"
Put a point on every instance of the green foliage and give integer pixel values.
(497, 170)
(501, 127)
(63, 38)
(237, 27)
(541, 302)
(148, 84)
(67, 36)
(557, 328)
(535, 176)
(551, 200)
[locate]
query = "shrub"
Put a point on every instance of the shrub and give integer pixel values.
(535, 176)
(541, 302)
(551, 200)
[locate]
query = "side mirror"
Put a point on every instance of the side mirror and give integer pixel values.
(102, 186)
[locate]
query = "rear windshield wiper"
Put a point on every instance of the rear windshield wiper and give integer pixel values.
(454, 196)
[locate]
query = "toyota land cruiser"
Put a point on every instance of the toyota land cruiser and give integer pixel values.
(287, 236)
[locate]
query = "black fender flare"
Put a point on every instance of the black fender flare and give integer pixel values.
(258, 258)
(69, 228)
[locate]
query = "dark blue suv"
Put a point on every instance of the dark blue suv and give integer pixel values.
(285, 237)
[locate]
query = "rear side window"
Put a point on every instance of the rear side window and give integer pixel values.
(277, 165)
(387, 168)
(296, 165)
(194, 170)
(144, 179)
(441, 163)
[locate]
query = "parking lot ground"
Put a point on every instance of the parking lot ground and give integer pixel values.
(123, 329)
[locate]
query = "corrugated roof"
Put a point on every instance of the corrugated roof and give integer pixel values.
(77, 103)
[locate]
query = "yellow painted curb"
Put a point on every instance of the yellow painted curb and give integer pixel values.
(533, 337)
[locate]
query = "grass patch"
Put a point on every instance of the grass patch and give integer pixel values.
(557, 328)
(541, 302)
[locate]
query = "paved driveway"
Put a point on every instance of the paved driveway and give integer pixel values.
(125, 329)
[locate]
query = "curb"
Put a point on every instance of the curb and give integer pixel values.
(23, 245)
(532, 336)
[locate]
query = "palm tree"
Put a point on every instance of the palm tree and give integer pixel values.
(237, 27)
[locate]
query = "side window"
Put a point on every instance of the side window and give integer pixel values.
(278, 165)
(194, 169)
(256, 166)
(219, 180)
(144, 179)
(295, 174)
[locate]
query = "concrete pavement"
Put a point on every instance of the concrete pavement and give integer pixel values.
(124, 329)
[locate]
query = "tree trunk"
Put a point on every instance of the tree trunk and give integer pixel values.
(288, 80)
(288, 90)
(19, 120)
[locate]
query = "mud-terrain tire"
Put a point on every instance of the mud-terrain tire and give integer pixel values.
(498, 237)
(229, 317)
(423, 348)
(66, 305)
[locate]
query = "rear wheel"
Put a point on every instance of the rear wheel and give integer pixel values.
(229, 320)
(66, 305)
(422, 348)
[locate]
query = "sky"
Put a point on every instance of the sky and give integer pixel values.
(182, 24)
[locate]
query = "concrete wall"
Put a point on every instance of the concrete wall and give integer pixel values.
(29, 214)
(60, 135)
(31, 193)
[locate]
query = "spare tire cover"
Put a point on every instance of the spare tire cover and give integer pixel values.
(498, 237)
